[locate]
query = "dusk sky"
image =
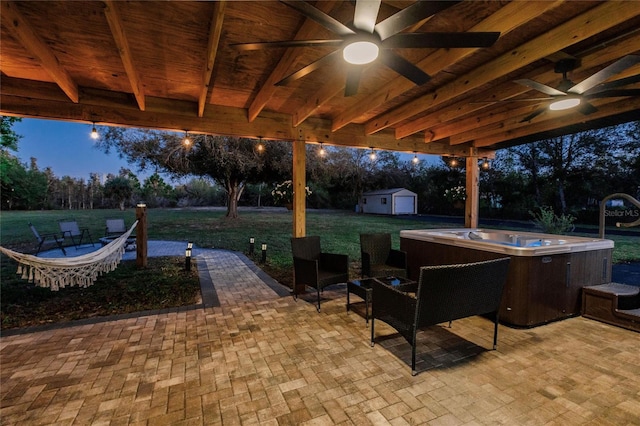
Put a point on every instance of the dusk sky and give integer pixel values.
(65, 147)
(69, 150)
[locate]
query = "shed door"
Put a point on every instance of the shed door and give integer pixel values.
(404, 205)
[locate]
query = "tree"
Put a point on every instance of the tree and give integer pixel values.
(156, 192)
(9, 138)
(120, 189)
(630, 158)
(571, 173)
(21, 188)
(231, 162)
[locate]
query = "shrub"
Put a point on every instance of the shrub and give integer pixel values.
(550, 223)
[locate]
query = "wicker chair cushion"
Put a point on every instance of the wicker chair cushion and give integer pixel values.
(388, 271)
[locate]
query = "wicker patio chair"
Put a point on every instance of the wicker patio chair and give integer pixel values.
(313, 268)
(70, 228)
(379, 259)
(47, 239)
(442, 294)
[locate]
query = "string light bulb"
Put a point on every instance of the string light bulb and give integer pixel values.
(322, 151)
(415, 159)
(94, 132)
(186, 141)
(453, 162)
(260, 146)
(485, 164)
(372, 156)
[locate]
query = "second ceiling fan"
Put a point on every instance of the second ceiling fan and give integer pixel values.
(366, 41)
(570, 95)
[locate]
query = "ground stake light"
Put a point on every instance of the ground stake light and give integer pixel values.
(187, 257)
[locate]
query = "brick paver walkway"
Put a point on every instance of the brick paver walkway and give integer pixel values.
(259, 357)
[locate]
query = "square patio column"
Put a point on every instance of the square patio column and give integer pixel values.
(299, 193)
(472, 202)
(141, 236)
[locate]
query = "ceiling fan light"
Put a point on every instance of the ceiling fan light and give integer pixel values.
(563, 104)
(360, 52)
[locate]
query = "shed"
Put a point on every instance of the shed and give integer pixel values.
(390, 201)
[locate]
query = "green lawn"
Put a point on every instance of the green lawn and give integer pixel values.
(209, 228)
(22, 304)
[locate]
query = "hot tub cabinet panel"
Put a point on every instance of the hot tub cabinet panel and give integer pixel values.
(541, 287)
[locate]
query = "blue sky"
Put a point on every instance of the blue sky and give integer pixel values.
(65, 147)
(69, 150)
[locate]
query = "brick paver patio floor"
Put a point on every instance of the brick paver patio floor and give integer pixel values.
(261, 357)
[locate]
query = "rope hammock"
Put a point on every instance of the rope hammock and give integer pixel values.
(79, 271)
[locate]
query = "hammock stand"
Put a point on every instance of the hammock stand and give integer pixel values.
(79, 271)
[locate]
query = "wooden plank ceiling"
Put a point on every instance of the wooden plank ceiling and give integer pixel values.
(170, 65)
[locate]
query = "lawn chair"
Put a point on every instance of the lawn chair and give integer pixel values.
(115, 228)
(316, 269)
(70, 228)
(379, 259)
(47, 239)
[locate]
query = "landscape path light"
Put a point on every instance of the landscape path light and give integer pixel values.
(187, 256)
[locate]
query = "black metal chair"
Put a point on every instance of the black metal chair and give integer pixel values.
(313, 268)
(70, 228)
(47, 239)
(379, 259)
(442, 294)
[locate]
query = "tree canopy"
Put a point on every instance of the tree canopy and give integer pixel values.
(231, 162)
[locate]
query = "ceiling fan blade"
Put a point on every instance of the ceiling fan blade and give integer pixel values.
(409, 16)
(534, 114)
(309, 68)
(288, 43)
(353, 80)
(613, 84)
(404, 67)
(606, 73)
(547, 90)
(614, 93)
(366, 15)
(586, 108)
(319, 16)
(442, 40)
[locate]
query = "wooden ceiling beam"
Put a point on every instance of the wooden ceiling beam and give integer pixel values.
(600, 18)
(13, 20)
(215, 30)
(505, 20)
(334, 87)
(308, 29)
(122, 43)
(460, 118)
(566, 119)
(44, 100)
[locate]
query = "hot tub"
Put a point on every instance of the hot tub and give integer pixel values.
(546, 273)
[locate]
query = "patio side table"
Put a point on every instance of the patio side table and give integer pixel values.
(362, 288)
